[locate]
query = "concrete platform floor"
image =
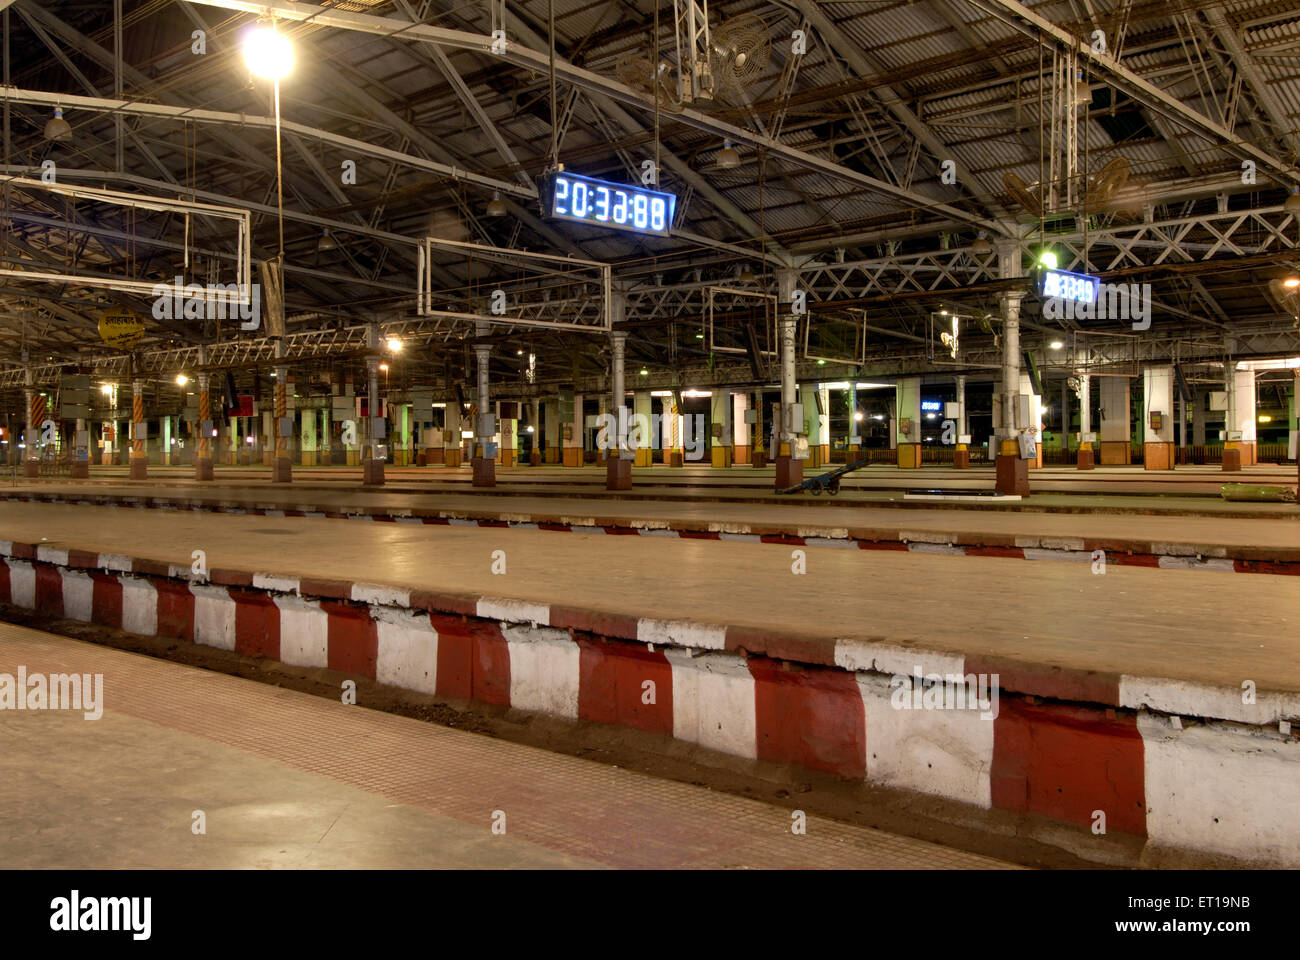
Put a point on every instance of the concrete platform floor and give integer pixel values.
(287, 780)
(1211, 627)
(710, 481)
(1203, 532)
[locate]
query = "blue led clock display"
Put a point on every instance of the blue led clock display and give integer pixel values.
(619, 206)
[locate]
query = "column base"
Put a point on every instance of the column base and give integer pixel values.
(909, 455)
(31, 468)
(485, 472)
(1115, 453)
(1012, 475)
(281, 470)
(759, 459)
(789, 472)
(961, 459)
(1087, 460)
(372, 473)
(535, 459)
(139, 469)
(80, 470)
(721, 456)
(421, 459)
(618, 474)
(675, 458)
(1157, 456)
(203, 469)
(1232, 460)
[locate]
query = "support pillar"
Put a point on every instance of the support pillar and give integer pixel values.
(1116, 432)
(535, 455)
(1239, 444)
(789, 470)
(282, 466)
(1012, 468)
(618, 463)
(720, 413)
(1087, 456)
(81, 450)
(740, 442)
(961, 455)
(907, 426)
(32, 433)
(1158, 418)
(372, 466)
(451, 438)
(139, 431)
(203, 458)
(484, 460)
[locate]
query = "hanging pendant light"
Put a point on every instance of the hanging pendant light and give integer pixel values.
(58, 129)
(496, 206)
(326, 242)
(982, 247)
(1292, 205)
(728, 158)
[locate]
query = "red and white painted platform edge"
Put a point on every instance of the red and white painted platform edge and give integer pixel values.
(1178, 765)
(1166, 555)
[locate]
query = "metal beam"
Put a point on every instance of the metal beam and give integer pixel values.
(603, 86)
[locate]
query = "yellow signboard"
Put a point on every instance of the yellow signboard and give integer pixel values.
(121, 328)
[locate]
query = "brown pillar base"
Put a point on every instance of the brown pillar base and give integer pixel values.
(1012, 476)
(140, 469)
(421, 459)
(534, 459)
(675, 459)
(961, 459)
(618, 474)
(1157, 456)
(759, 459)
(1087, 460)
(485, 472)
(372, 473)
(281, 470)
(31, 468)
(1232, 460)
(81, 470)
(202, 469)
(789, 472)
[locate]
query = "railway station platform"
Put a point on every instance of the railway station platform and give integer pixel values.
(343, 786)
(1130, 714)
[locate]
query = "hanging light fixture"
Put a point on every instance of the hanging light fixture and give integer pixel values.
(268, 53)
(746, 275)
(982, 247)
(326, 242)
(1292, 205)
(496, 206)
(728, 158)
(56, 128)
(1082, 92)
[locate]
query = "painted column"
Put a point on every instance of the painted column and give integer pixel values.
(1198, 419)
(451, 438)
(961, 453)
(1116, 431)
(1034, 425)
(1158, 418)
(372, 466)
(32, 433)
(203, 457)
(165, 455)
(1087, 456)
(307, 420)
(643, 438)
(1241, 417)
(139, 431)
(484, 460)
(816, 424)
(618, 468)
(789, 470)
(1012, 469)
(855, 438)
(81, 451)
(907, 422)
(720, 452)
(539, 441)
(741, 449)
(282, 468)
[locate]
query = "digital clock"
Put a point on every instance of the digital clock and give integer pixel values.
(618, 206)
(1063, 285)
